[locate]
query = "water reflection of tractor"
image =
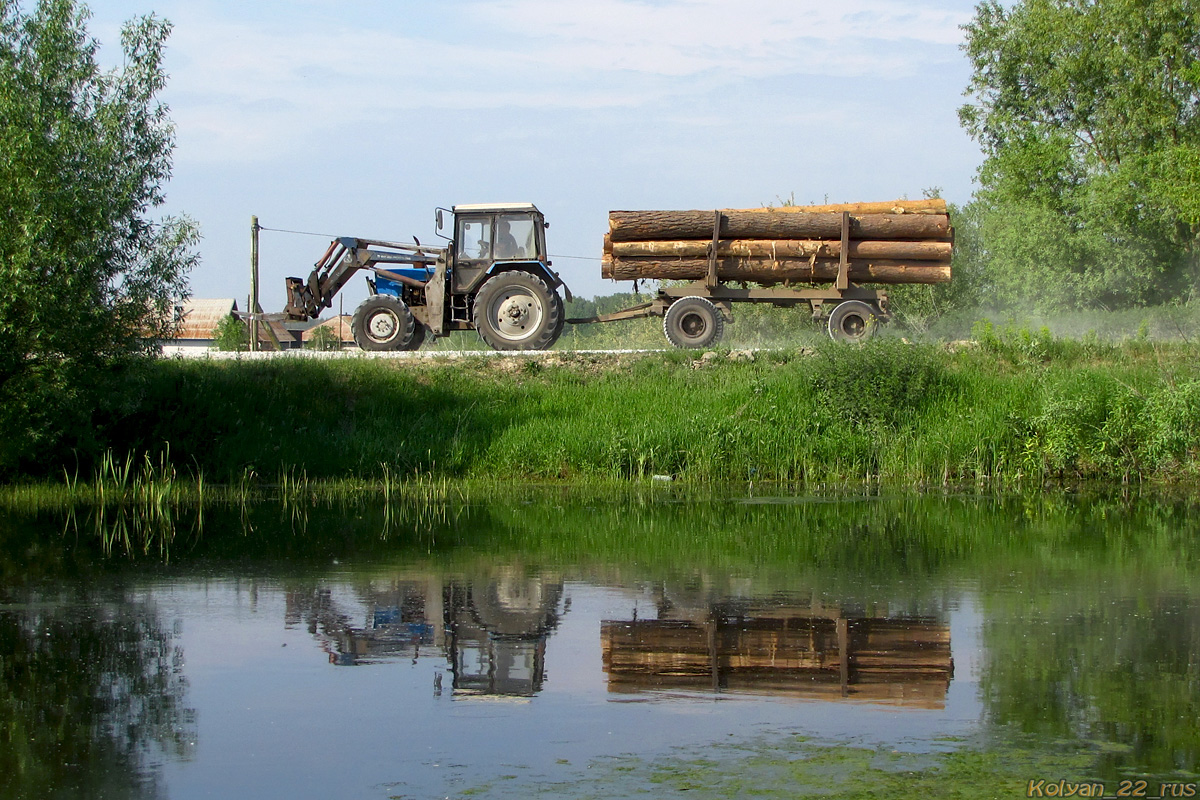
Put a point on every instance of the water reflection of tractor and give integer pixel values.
(497, 632)
(491, 630)
(813, 651)
(398, 623)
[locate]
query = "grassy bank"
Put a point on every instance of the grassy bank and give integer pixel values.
(1017, 407)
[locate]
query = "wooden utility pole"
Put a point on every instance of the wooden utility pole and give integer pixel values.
(253, 284)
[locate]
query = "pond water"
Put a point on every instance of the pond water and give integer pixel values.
(552, 644)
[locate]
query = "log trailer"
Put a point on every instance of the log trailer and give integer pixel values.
(494, 276)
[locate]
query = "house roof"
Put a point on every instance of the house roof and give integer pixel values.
(198, 318)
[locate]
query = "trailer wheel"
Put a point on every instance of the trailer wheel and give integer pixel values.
(382, 322)
(518, 311)
(853, 321)
(693, 322)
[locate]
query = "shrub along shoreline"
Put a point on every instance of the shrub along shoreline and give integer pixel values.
(1013, 407)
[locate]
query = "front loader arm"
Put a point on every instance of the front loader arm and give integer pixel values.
(306, 299)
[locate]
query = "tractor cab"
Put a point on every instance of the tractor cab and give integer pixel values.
(487, 235)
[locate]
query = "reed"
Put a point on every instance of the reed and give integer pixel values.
(644, 530)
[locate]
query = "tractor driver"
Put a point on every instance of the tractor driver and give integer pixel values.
(506, 243)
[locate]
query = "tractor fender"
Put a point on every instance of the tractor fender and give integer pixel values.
(537, 268)
(390, 288)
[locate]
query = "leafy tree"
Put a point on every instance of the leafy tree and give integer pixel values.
(231, 334)
(1088, 112)
(324, 338)
(88, 278)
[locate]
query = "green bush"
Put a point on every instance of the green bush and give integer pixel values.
(883, 382)
(232, 335)
(1090, 424)
(1172, 423)
(324, 338)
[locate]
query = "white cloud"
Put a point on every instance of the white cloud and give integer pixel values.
(706, 33)
(238, 88)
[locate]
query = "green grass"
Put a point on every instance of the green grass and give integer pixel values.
(1017, 409)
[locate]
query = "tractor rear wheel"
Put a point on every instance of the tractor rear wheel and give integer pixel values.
(518, 311)
(381, 323)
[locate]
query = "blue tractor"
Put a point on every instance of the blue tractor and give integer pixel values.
(493, 277)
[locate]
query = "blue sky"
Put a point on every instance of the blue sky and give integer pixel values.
(359, 117)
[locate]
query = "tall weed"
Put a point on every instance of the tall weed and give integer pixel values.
(885, 382)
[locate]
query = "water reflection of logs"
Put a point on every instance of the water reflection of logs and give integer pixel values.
(899, 661)
(491, 628)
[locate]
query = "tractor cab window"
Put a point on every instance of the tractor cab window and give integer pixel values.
(517, 237)
(474, 238)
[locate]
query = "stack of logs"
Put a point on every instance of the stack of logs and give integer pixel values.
(898, 242)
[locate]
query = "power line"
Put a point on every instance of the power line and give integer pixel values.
(299, 233)
(332, 236)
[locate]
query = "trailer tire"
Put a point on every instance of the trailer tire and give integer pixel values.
(853, 321)
(693, 322)
(382, 323)
(517, 310)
